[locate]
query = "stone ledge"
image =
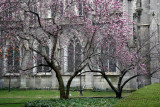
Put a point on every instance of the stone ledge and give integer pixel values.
(11, 74)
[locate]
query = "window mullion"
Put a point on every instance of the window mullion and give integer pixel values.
(74, 55)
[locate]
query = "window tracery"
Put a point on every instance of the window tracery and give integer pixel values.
(41, 60)
(74, 54)
(108, 62)
(13, 58)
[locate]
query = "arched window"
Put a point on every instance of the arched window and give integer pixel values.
(46, 69)
(16, 58)
(10, 57)
(13, 58)
(77, 54)
(1, 51)
(53, 9)
(41, 60)
(107, 60)
(74, 54)
(71, 57)
(80, 8)
(33, 8)
(61, 7)
(1, 60)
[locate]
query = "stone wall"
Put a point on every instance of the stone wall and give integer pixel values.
(50, 82)
(147, 23)
(15, 82)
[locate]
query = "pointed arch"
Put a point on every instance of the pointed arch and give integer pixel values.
(71, 57)
(108, 63)
(1, 60)
(13, 58)
(78, 55)
(16, 58)
(46, 68)
(74, 54)
(40, 59)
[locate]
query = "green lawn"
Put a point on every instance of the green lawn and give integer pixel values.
(22, 96)
(148, 96)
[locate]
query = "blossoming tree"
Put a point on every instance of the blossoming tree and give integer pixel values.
(115, 48)
(33, 23)
(104, 33)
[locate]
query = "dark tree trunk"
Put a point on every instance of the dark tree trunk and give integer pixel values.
(118, 91)
(69, 84)
(70, 80)
(61, 84)
(119, 94)
(62, 92)
(61, 88)
(67, 91)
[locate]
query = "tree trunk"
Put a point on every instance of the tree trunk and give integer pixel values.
(68, 85)
(119, 94)
(60, 81)
(62, 92)
(67, 91)
(61, 85)
(69, 82)
(110, 83)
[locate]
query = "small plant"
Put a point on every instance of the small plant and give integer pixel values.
(77, 102)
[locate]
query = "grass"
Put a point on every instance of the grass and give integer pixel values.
(148, 96)
(22, 96)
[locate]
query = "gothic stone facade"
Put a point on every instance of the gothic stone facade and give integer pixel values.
(147, 14)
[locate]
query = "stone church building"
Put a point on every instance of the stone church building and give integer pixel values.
(146, 13)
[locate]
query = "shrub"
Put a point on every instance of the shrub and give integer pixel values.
(76, 102)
